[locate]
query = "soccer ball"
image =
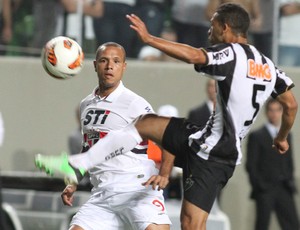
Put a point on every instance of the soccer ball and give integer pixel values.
(62, 57)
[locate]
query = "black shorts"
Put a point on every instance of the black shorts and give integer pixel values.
(202, 179)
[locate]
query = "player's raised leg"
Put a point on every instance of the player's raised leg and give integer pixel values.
(150, 126)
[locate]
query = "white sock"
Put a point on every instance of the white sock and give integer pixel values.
(113, 144)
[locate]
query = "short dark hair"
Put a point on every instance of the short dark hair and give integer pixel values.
(235, 16)
(114, 44)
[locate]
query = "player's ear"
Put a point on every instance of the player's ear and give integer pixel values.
(226, 27)
(125, 65)
(95, 63)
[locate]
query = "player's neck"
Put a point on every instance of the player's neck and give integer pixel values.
(104, 92)
(235, 38)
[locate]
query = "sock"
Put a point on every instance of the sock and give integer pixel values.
(115, 143)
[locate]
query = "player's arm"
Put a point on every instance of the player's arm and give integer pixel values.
(67, 194)
(290, 108)
(162, 180)
(176, 50)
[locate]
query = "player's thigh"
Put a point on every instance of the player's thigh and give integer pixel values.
(96, 215)
(147, 211)
(152, 126)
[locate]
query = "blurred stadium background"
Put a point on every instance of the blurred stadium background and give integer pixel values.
(38, 114)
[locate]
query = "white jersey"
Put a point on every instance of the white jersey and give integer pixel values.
(245, 80)
(101, 115)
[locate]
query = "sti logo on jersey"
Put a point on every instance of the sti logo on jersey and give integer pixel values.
(259, 71)
(93, 116)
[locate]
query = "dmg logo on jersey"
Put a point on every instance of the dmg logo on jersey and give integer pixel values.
(259, 71)
(224, 55)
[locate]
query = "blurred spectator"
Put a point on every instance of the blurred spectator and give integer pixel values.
(22, 27)
(271, 174)
(75, 138)
(153, 13)
(46, 14)
(262, 35)
(289, 30)
(201, 114)
(113, 26)
(189, 22)
(79, 25)
(49, 16)
(169, 34)
(148, 53)
(5, 24)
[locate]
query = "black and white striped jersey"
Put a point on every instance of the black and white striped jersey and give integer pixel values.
(245, 80)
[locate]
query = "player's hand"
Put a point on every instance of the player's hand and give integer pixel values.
(67, 195)
(139, 26)
(157, 182)
(280, 145)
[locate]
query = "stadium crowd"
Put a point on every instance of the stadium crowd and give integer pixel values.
(27, 25)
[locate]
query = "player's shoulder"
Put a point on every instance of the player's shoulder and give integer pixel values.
(132, 95)
(86, 100)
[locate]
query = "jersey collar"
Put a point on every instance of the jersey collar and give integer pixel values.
(113, 95)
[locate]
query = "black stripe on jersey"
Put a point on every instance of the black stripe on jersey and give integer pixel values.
(280, 85)
(139, 151)
(249, 54)
(226, 146)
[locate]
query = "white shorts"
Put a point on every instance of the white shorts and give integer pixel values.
(116, 211)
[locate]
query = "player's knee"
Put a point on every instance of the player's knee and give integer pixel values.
(75, 227)
(187, 223)
(158, 227)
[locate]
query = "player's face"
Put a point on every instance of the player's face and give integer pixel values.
(110, 66)
(215, 32)
(274, 113)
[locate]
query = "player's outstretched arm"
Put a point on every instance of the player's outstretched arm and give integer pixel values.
(176, 50)
(290, 108)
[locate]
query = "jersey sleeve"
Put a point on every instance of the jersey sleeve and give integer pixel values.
(220, 59)
(282, 84)
(139, 107)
